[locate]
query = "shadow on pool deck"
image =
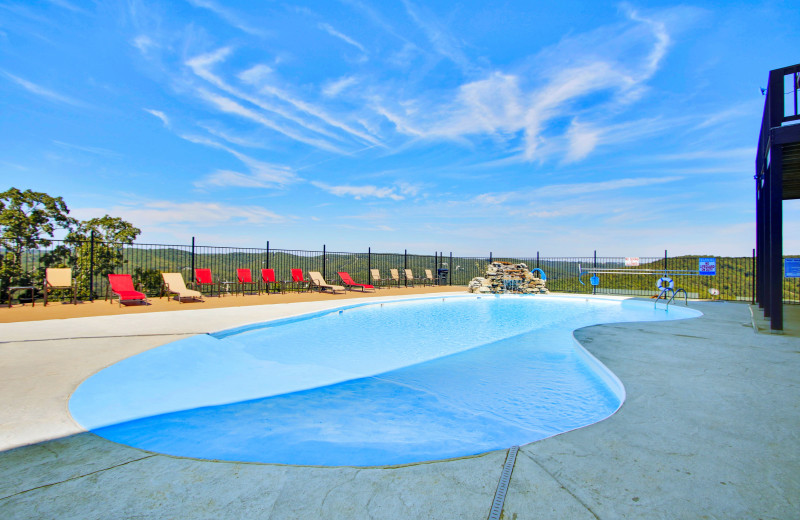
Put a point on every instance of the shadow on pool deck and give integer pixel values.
(709, 429)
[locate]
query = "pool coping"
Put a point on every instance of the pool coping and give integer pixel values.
(639, 463)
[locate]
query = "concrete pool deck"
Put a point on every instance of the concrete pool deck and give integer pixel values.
(710, 429)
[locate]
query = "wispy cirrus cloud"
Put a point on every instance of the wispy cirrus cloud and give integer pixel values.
(360, 192)
(503, 105)
(229, 16)
(96, 150)
(159, 114)
(50, 95)
(68, 6)
(439, 37)
(257, 77)
(561, 191)
(261, 174)
(336, 87)
(230, 106)
(328, 28)
(156, 213)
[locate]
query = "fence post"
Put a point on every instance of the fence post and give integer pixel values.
(91, 268)
(267, 254)
(450, 270)
(594, 287)
(193, 260)
(665, 262)
(753, 284)
(537, 259)
(405, 265)
(490, 257)
(369, 263)
(324, 262)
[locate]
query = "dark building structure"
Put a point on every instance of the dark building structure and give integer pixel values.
(777, 179)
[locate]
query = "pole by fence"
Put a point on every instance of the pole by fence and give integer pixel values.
(91, 266)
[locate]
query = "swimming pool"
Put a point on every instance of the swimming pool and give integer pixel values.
(370, 384)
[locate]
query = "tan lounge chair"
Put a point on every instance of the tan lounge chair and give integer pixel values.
(395, 277)
(174, 284)
(319, 283)
(428, 277)
(409, 277)
(59, 278)
(377, 281)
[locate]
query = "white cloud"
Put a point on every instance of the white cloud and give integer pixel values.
(359, 192)
(582, 140)
(90, 149)
(230, 17)
(201, 214)
(66, 5)
(144, 43)
(256, 74)
(442, 42)
(262, 174)
(561, 191)
(335, 88)
(201, 66)
(232, 107)
(503, 104)
(48, 94)
(159, 114)
(333, 32)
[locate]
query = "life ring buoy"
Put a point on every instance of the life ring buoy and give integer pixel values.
(665, 283)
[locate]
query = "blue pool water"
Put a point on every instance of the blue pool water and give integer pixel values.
(372, 384)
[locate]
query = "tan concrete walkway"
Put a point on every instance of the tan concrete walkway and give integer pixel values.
(709, 429)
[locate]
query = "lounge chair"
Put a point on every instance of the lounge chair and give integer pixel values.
(319, 282)
(268, 277)
(350, 284)
(395, 277)
(245, 278)
(59, 278)
(428, 277)
(299, 281)
(409, 277)
(122, 286)
(174, 284)
(377, 280)
(203, 278)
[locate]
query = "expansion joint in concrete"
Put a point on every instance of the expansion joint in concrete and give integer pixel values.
(78, 477)
(562, 485)
(105, 337)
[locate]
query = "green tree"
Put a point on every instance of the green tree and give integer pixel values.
(111, 234)
(27, 222)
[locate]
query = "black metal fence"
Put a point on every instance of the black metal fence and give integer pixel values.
(91, 262)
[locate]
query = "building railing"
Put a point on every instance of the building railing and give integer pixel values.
(734, 279)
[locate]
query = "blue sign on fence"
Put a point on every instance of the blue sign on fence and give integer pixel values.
(708, 266)
(792, 267)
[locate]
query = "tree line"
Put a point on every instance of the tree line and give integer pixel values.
(29, 220)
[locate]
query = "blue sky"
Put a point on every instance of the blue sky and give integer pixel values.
(510, 127)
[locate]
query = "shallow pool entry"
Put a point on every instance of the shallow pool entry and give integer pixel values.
(397, 383)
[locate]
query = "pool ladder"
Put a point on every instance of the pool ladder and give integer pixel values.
(674, 293)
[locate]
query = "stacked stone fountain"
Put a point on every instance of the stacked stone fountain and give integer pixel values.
(505, 277)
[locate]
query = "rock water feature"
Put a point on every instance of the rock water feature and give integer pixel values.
(505, 277)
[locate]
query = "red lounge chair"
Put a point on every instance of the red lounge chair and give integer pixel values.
(203, 278)
(299, 281)
(350, 284)
(268, 276)
(245, 278)
(122, 286)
